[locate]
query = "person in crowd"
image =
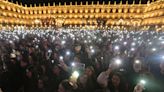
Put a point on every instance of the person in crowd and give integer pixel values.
(66, 86)
(134, 72)
(91, 79)
(30, 83)
(112, 81)
(82, 83)
(55, 78)
(41, 86)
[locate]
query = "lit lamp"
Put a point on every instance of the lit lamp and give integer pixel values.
(121, 2)
(37, 21)
(92, 3)
(97, 2)
(109, 3)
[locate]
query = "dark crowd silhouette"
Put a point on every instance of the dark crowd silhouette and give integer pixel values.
(76, 60)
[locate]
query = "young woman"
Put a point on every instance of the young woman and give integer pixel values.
(116, 83)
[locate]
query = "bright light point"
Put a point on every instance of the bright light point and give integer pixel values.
(91, 47)
(154, 49)
(93, 51)
(162, 57)
(132, 49)
(68, 53)
(75, 74)
(52, 61)
(49, 51)
(125, 43)
(10, 41)
(100, 40)
(162, 42)
(118, 61)
(155, 36)
(135, 39)
(61, 57)
(73, 64)
(116, 47)
(37, 21)
(137, 61)
(133, 44)
(85, 41)
(36, 46)
(143, 82)
(63, 42)
(150, 43)
(53, 38)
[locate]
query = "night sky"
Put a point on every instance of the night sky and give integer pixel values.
(28, 2)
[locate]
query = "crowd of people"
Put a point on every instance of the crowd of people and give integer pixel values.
(73, 60)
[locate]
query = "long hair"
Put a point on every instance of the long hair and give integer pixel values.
(122, 84)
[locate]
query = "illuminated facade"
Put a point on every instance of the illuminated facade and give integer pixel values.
(106, 15)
